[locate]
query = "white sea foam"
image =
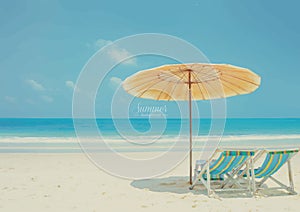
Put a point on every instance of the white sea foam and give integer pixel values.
(145, 139)
(260, 137)
(37, 139)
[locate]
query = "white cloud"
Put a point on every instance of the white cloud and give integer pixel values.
(101, 42)
(98, 44)
(48, 99)
(10, 99)
(35, 85)
(117, 54)
(115, 82)
(70, 84)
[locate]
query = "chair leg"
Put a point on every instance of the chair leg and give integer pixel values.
(291, 176)
(197, 174)
(248, 177)
(208, 181)
(252, 162)
(259, 184)
(252, 175)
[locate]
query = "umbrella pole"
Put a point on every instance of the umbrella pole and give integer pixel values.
(190, 117)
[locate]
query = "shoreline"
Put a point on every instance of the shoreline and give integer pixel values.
(72, 145)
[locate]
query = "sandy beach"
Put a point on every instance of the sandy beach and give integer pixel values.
(71, 182)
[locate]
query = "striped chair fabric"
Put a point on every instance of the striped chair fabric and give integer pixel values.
(227, 161)
(273, 162)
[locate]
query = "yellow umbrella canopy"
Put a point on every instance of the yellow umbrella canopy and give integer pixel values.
(187, 82)
(207, 81)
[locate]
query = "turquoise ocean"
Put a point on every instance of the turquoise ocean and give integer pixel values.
(58, 135)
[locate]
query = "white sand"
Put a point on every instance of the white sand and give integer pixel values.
(70, 182)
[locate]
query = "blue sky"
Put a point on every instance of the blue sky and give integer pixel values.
(45, 44)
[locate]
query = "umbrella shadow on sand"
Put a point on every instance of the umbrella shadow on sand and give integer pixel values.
(176, 184)
(180, 185)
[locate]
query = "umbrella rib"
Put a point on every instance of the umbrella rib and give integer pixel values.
(230, 88)
(198, 85)
(166, 87)
(141, 83)
(152, 86)
(155, 77)
(224, 73)
(142, 93)
(176, 84)
(235, 85)
(181, 78)
(207, 82)
(214, 73)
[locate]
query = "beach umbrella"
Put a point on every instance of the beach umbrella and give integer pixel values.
(188, 82)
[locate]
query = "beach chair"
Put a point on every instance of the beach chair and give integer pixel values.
(222, 170)
(273, 162)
